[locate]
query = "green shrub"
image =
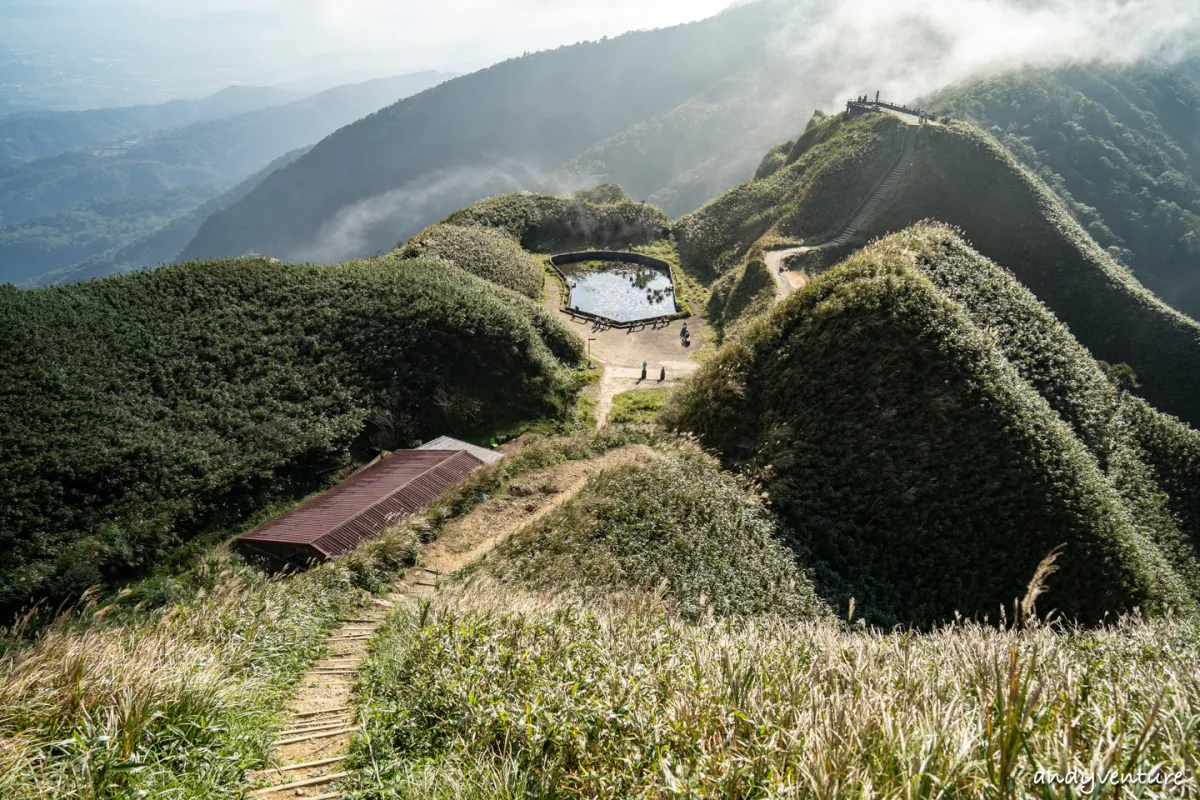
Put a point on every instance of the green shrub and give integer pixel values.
(545, 223)
(145, 410)
(773, 161)
(674, 522)
(488, 254)
(741, 294)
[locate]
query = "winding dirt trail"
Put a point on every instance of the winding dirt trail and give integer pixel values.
(312, 750)
(787, 281)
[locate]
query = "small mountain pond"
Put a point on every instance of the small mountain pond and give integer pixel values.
(620, 292)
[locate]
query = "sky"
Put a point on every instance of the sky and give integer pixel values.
(191, 47)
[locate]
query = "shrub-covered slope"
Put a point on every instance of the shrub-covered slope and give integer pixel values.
(141, 410)
(893, 410)
(1119, 145)
(961, 176)
(598, 217)
(674, 523)
(490, 254)
(823, 178)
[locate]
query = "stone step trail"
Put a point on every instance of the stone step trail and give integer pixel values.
(311, 750)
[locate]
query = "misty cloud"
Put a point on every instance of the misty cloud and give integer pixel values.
(907, 48)
(381, 222)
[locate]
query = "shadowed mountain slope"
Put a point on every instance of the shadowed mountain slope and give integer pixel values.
(499, 129)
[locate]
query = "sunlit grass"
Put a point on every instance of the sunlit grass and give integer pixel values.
(495, 693)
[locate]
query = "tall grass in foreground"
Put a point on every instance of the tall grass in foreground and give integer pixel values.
(490, 693)
(177, 703)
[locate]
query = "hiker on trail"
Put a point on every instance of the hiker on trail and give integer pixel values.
(662, 374)
(876, 95)
(643, 370)
(683, 333)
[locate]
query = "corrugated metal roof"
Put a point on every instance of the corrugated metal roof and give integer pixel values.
(446, 443)
(368, 502)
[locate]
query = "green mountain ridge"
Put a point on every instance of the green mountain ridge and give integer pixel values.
(1119, 145)
(919, 421)
(29, 136)
(961, 176)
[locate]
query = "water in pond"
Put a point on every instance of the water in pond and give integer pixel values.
(622, 293)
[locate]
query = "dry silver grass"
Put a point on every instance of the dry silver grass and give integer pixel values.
(500, 691)
(179, 702)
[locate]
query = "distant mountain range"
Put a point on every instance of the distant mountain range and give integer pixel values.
(73, 206)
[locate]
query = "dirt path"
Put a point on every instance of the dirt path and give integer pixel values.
(313, 748)
(786, 281)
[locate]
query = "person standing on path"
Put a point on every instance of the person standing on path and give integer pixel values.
(643, 370)
(662, 374)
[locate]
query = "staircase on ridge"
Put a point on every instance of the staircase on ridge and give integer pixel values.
(863, 214)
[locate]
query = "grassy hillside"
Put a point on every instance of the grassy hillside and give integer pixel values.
(490, 254)
(117, 701)
(494, 693)
(498, 129)
(673, 523)
(961, 176)
(826, 173)
(1119, 145)
(602, 217)
(892, 409)
(144, 410)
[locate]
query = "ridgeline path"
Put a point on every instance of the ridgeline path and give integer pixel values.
(786, 281)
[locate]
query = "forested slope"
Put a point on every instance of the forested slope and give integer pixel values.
(162, 245)
(1120, 145)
